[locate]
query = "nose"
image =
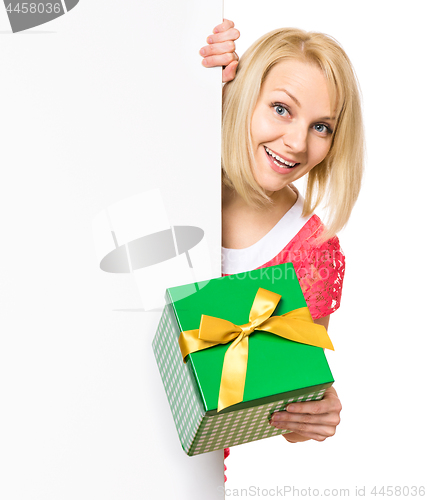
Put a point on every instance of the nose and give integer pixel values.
(296, 137)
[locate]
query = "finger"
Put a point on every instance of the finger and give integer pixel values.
(218, 48)
(231, 34)
(293, 437)
(229, 72)
(220, 60)
(331, 391)
(328, 404)
(311, 431)
(282, 417)
(224, 26)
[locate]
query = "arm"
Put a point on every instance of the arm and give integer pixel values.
(220, 51)
(323, 321)
(316, 420)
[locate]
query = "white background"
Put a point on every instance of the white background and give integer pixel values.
(76, 95)
(379, 332)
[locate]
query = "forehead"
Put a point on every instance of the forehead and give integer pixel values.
(303, 80)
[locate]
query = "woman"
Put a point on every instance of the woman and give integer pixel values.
(291, 108)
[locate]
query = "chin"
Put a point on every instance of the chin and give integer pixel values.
(272, 187)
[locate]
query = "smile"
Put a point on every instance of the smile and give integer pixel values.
(278, 160)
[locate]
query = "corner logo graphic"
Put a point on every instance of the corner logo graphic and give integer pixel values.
(26, 15)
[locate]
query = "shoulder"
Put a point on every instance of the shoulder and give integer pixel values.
(321, 249)
(320, 268)
(319, 265)
(307, 243)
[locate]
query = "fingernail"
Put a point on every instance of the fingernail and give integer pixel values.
(210, 40)
(202, 52)
(289, 408)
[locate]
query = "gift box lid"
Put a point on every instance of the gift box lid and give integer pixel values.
(275, 365)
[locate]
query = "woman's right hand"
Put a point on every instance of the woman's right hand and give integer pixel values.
(221, 50)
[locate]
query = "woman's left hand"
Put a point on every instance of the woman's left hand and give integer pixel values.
(310, 419)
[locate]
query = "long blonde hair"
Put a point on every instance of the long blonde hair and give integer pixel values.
(337, 179)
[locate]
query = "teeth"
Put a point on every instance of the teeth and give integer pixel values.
(278, 164)
(278, 158)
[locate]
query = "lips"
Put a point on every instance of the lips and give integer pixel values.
(279, 161)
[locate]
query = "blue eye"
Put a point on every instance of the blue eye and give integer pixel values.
(280, 110)
(320, 127)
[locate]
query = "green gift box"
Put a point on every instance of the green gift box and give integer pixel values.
(279, 371)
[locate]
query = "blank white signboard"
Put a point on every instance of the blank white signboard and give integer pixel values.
(98, 107)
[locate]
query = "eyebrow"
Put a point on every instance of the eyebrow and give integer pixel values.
(290, 95)
(299, 104)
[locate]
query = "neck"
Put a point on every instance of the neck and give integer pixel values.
(244, 224)
(286, 197)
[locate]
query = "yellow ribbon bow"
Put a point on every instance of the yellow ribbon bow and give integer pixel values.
(296, 325)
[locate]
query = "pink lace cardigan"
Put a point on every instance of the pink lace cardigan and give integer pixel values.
(319, 267)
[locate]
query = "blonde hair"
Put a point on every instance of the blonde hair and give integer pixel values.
(337, 179)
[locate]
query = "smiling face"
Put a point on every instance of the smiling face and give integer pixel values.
(291, 126)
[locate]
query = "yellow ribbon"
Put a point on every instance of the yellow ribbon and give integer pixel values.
(296, 325)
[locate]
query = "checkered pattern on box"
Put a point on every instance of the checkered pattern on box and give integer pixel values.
(241, 426)
(181, 389)
(198, 432)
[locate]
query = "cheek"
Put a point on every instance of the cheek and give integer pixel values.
(321, 151)
(261, 129)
